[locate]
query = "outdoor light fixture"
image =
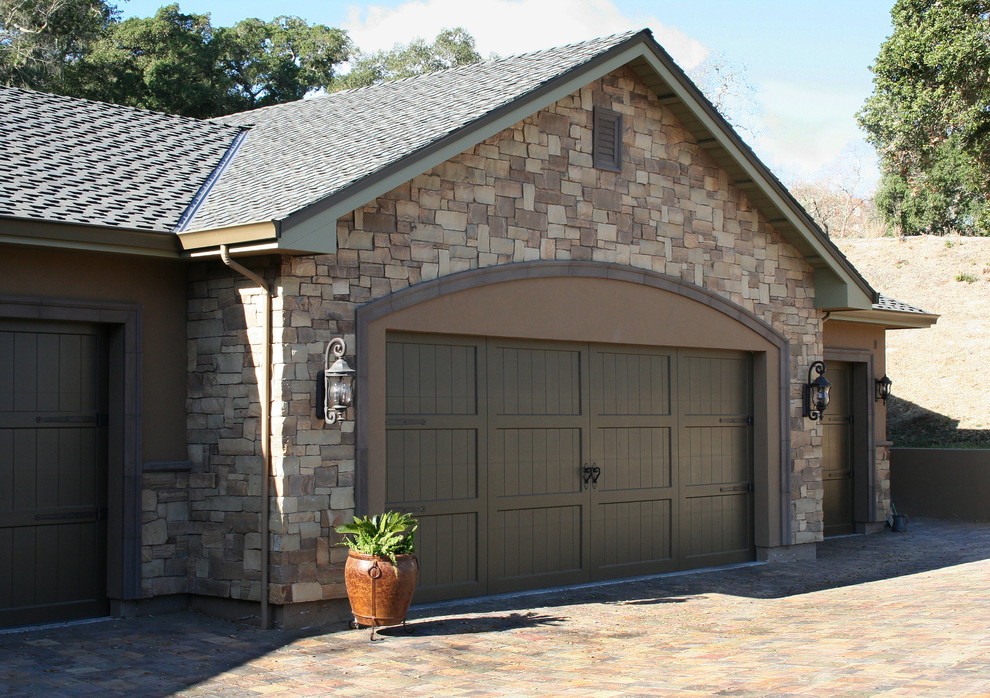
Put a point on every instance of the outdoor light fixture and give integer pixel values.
(816, 392)
(335, 385)
(883, 389)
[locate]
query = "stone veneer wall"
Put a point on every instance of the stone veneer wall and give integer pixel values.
(881, 464)
(528, 193)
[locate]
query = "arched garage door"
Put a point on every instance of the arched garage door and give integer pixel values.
(533, 464)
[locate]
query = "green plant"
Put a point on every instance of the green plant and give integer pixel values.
(968, 278)
(382, 535)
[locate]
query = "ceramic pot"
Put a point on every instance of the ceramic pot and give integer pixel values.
(380, 592)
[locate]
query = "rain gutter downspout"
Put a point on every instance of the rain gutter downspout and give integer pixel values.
(265, 397)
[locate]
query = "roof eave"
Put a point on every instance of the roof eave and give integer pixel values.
(29, 232)
(890, 319)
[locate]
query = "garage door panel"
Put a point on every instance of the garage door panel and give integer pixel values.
(431, 379)
(634, 458)
(630, 383)
(633, 533)
(714, 385)
(716, 529)
(533, 544)
(529, 381)
(427, 465)
(714, 455)
(450, 545)
(536, 461)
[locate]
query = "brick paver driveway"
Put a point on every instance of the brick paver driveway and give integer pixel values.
(891, 614)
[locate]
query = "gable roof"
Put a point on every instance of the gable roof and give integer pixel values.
(88, 163)
(306, 152)
(305, 164)
(302, 165)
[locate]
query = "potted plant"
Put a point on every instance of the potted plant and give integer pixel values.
(381, 570)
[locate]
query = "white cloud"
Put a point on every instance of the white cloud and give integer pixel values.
(806, 127)
(510, 27)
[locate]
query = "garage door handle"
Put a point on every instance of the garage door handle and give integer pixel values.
(591, 474)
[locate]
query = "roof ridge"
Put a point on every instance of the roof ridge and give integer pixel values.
(399, 82)
(38, 94)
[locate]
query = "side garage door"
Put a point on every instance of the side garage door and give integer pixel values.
(538, 464)
(52, 472)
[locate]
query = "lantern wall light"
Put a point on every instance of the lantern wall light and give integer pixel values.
(335, 384)
(883, 389)
(816, 392)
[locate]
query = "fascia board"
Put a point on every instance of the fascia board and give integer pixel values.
(71, 236)
(862, 296)
(262, 232)
(890, 319)
(297, 234)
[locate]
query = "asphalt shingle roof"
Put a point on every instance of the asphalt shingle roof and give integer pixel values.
(298, 153)
(888, 303)
(75, 161)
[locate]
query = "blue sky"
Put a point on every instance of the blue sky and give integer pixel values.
(808, 62)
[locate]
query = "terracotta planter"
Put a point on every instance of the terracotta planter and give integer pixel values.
(380, 592)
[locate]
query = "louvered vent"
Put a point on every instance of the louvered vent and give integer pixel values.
(608, 140)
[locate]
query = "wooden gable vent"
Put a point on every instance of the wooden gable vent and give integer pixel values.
(608, 140)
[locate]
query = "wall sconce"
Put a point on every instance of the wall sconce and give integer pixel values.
(335, 384)
(816, 392)
(883, 389)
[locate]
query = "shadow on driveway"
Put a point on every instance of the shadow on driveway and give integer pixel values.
(928, 544)
(184, 652)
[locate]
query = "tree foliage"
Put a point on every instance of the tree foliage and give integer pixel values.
(40, 38)
(451, 48)
(166, 63)
(180, 63)
(929, 117)
(281, 60)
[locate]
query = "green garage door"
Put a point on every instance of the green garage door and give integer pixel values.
(52, 472)
(539, 464)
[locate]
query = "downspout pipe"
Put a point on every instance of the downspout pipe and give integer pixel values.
(265, 397)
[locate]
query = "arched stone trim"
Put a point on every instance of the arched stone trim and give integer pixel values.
(774, 496)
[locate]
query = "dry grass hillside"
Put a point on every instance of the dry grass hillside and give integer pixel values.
(941, 382)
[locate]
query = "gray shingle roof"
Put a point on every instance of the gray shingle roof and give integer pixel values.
(76, 161)
(301, 152)
(888, 303)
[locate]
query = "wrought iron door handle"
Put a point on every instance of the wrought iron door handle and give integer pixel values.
(587, 473)
(595, 474)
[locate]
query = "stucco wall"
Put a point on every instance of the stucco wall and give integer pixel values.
(865, 342)
(529, 193)
(157, 288)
